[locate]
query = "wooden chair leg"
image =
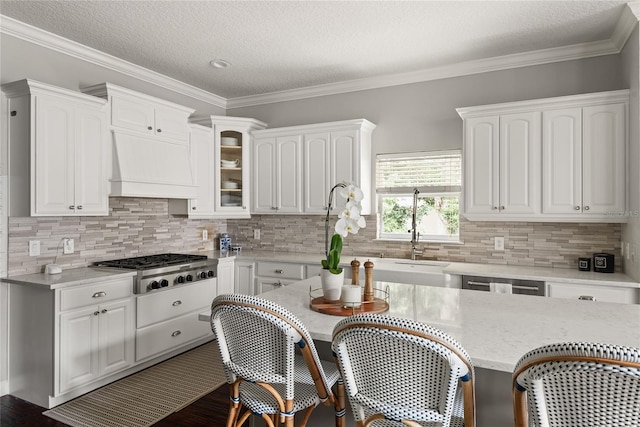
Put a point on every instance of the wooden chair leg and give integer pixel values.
(307, 414)
(520, 411)
(234, 405)
(339, 404)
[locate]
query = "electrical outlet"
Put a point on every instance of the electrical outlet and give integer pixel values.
(67, 246)
(626, 251)
(256, 234)
(498, 243)
(205, 235)
(34, 247)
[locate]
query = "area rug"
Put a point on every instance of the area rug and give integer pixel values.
(146, 397)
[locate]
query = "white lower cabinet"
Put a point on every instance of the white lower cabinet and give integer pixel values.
(168, 319)
(245, 277)
(273, 275)
(601, 293)
(95, 341)
(226, 276)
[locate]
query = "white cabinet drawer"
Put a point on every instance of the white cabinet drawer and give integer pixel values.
(279, 269)
(95, 294)
(596, 292)
(157, 307)
(313, 270)
(165, 336)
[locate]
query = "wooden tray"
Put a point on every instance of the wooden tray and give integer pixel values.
(335, 308)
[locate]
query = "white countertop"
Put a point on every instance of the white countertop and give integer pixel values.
(496, 329)
(560, 275)
(70, 277)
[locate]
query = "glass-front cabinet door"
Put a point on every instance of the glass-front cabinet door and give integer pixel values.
(232, 142)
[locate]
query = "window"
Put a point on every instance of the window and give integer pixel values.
(437, 177)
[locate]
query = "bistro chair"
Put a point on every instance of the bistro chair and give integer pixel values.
(400, 372)
(577, 385)
(258, 341)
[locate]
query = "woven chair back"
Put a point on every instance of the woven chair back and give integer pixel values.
(578, 385)
(401, 369)
(257, 340)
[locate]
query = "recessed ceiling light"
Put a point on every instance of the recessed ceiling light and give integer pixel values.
(219, 63)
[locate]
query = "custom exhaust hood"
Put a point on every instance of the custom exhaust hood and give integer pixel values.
(151, 167)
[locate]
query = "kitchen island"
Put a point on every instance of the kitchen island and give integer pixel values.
(495, 329)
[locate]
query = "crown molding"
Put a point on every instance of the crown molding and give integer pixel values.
(625, 26)
(23, 31)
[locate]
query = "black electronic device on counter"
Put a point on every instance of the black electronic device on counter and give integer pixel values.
(584, 264)
(603, 263)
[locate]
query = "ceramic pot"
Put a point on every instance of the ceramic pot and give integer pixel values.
(331, 284)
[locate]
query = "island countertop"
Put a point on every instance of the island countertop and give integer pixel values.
(496, 329)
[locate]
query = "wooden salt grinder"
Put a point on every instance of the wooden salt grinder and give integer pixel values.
(355, 271)
(368, 281)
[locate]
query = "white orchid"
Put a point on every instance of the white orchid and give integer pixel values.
(351, 192)
(350, 221)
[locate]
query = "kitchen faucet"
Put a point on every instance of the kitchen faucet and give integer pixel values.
(415, 235)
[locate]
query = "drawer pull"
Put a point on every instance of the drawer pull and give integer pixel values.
(176, 333)
(104, 310)
(279, 271)
(587, 298)
(95, 313)
(99, 295)
(176, 303)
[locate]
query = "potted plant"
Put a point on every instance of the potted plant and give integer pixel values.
(350, 221)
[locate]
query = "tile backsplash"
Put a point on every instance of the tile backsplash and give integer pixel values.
(140, 226)
(135, 226)
(526, 243)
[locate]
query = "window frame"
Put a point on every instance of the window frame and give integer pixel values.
(425, 192)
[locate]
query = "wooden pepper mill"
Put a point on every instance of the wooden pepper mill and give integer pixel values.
(368, 281)
(355, 271)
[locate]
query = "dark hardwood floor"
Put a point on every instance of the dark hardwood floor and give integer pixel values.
(210, 411)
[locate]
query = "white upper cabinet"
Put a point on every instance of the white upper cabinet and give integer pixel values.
(142, 113)
(58, 145)
(584, 162)
(328, 154)
(202, 151)
(502, 164)
(557, 159)
(231, 181)
(277, 177)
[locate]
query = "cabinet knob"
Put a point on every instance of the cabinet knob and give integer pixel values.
(273, 208)
(577, 208)
(501, 208)
(176, 303)
(176, 333)
(95, 313)
(99, 295)
(586, 208)
(104, 310)
(72, 207)
(159, 130)
(586, 298)
(495, 208)
(79, 207)
(193, 208)
(149, 128)
(279, 271)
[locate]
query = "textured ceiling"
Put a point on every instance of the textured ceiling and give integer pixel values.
(280, 45)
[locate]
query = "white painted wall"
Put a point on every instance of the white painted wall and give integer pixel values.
(422, 116)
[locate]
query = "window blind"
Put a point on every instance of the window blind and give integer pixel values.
(429, 172)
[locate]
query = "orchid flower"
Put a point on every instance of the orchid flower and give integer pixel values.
(345, 226)
(351, 192)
